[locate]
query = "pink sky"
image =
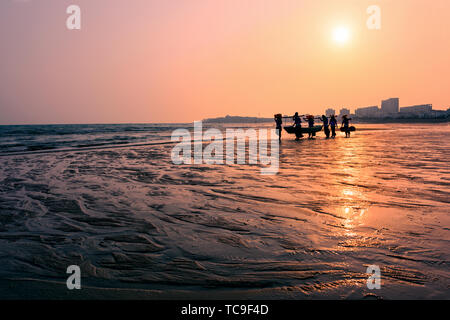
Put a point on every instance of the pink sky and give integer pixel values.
(185, 60)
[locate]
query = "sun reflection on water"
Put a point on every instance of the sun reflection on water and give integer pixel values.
(351, 198)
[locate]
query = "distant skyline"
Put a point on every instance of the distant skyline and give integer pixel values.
(154, 61)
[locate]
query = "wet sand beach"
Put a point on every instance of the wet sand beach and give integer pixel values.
(141, 227)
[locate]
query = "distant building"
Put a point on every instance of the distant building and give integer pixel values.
(330, 112)
(367, 112)
(437, 114)
(390, 106)
(344, 111)
(418, 109)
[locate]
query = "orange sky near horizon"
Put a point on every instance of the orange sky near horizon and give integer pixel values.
(180, 61)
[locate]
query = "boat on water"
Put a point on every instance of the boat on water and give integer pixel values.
(295, 130)
(351, 129)
(300, 131)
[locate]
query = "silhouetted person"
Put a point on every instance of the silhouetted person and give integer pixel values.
(310, 120)
(345, 124)
(326, 129)
(297, 126)
(333, 125)
(279, 123)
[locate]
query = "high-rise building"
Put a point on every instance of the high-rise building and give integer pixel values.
(419, 109)
(390, 105)
(330, 112)
(344, 111)
(367, 112)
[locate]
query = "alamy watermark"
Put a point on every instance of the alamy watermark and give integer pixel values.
(374, 20)
(374, 280)
(74, 280)
(191, 148)
(73, 22)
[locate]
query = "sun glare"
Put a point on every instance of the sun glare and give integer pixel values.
(341, 35)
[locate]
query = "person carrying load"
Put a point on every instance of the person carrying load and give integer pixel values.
(325, 125)
(345, 125)
(279, 123)
(297, 126)
(310, 120)
(333, 125)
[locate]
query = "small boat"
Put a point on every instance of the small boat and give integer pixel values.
(351, 129)
(294, 130)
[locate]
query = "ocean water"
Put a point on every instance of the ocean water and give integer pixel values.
(109, 199)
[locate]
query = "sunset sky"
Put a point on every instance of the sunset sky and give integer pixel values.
(185, 60)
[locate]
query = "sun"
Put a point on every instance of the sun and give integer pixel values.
(341, 35)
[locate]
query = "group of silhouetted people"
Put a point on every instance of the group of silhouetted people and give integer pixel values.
(327, 125)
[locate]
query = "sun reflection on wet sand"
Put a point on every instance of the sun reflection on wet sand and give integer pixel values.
(347, 172)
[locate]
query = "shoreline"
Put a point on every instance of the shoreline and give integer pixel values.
(209, 122)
